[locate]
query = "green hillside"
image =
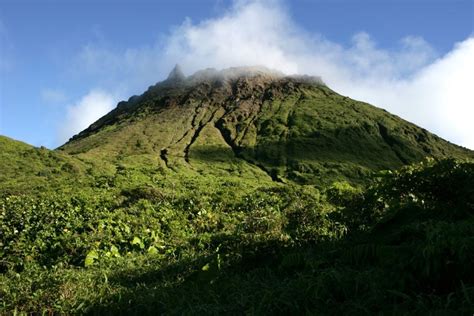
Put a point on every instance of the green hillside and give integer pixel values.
(24, 168)
(240, 191)
(256, 124)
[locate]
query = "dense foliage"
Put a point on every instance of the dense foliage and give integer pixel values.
(403, 244)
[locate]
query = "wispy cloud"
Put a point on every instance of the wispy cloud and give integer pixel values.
(53, 96)
(84, 112)
(409, 80)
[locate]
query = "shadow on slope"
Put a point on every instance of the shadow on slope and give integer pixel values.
(362, 276)
(408, 249)
(350, 153)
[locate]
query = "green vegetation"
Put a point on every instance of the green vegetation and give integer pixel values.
(255, 195)
(260, 128)
(402, 245)
(24, 168)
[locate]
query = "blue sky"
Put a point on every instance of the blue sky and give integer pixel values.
(65, 63)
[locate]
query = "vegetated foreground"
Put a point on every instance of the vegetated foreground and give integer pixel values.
(243, 205)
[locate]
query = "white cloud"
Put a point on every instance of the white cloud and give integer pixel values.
(252, 33)
(53, 96)
(407, 80)
(436, 96)
(84, 112)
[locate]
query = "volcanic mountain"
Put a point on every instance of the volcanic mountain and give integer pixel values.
(254, 122)
(238, 191)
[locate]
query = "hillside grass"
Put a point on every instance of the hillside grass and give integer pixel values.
(282, 130)
(403, 245)
(251, 196)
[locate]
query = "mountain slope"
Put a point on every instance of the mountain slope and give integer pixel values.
(24, 167)
(191, 199)
(256, 123)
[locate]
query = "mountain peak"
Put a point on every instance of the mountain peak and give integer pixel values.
(234, 73)
(176, 74)
(260, 123)
(259, 73)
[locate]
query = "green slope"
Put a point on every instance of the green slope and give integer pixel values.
(402, 247)
(240, 191)
(24, 168)
(257, 125)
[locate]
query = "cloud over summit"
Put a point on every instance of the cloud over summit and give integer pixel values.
(409, 80)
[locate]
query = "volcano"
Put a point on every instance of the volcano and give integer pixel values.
(257, 123)
(239, 191)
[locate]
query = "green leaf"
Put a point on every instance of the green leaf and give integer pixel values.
(114, 250)
(91, 257)
(137, 241)
(152, 250)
